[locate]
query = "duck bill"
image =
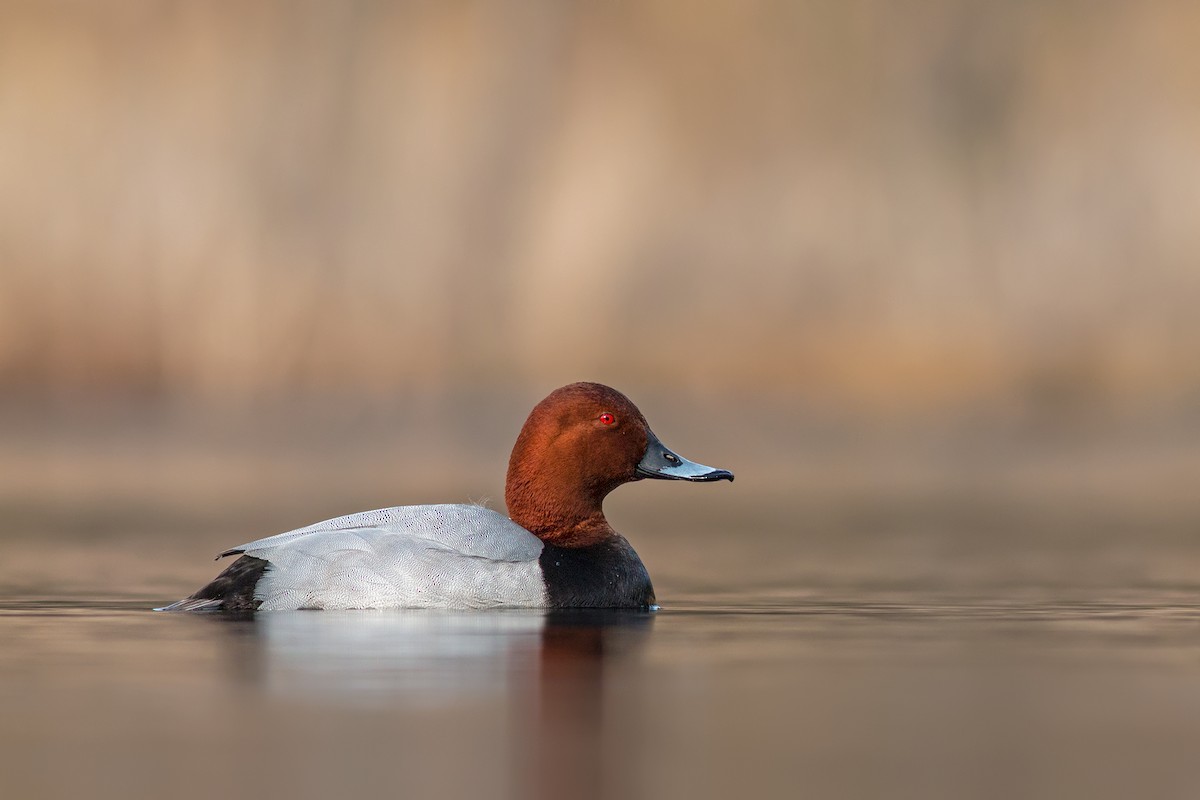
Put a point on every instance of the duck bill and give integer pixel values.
(661, 463)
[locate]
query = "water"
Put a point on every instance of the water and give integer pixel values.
(988, 618)
(812, 696)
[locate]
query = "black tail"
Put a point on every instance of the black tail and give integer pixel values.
(232, 590)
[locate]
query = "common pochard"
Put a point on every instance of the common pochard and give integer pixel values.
(554, 550)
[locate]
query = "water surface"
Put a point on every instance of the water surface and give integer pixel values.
(935, 617)
(825, 696)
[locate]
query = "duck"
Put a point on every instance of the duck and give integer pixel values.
(554, 550)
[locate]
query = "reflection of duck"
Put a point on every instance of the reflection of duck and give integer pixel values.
(557, 550)
(573, 735)
(427, 657)
(523, 691)
(418, 656)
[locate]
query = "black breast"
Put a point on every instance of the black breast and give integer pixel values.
(605, 575)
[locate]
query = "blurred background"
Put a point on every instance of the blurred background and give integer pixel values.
(927, 276)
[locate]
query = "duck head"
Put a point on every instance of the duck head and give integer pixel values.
(580, 443)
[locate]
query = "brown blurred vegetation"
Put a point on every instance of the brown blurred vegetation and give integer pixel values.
(891, 205)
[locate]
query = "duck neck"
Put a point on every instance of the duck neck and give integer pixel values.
(555, 511)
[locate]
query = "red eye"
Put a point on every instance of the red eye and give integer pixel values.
(607, 418)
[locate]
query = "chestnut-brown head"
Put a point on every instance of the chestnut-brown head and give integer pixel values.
(580, 443)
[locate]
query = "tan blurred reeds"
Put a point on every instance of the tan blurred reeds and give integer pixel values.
(866, 202)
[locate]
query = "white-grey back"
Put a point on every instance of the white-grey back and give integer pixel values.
(444, 556)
